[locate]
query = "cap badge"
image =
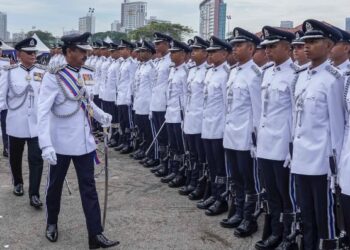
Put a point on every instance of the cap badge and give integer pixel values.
(266, 33)
(308, 26)
(236, 33)
(32, 43)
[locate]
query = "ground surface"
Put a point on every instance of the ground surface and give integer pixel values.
(142, 214)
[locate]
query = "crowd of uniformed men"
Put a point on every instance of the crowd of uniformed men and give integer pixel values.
(246, 125)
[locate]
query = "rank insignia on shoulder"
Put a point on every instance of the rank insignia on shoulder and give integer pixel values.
(9, 67)
(333, 71)
(54, 70)
(38, 77)
(89, 68)
(256, 70)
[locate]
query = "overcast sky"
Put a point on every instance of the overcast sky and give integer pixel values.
(54, 16)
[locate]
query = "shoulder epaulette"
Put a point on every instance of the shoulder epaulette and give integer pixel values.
(333, 71)
(40, 66)
(54, 70)
(12, 66)
(227, 68)
(294, 67)
(88, 68)
(5, 59)
(300, 70)
(267, 66)
(256, 70)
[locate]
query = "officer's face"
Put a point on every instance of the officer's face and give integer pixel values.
(278, 52)
(340, 51)
(104, 52)
(242, 51)
(28, 58)
(217, 57)
(316, 49)
(299, 54)
(178, 57)
(125, 52)
(162, 47)
(260, 57)
(199, 55)
(145, 55)
(76, 57)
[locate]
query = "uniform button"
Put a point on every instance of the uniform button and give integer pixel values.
(298, 136)
(263, 126)
(264, 115)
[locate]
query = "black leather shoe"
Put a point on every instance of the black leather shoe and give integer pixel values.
(119, 147)
(168, 178)
(162, 172)
(51, 232)
(204, 204)
(151, 163)
(139, 155)
(232, 222)
(246, 228)
(35, 201)
(18, 190)
(156, 168)
(198, 192)
(287, 245)
(126, 150)
(270, 243)
(178, 181)
(143, 160)
(100, 240)
(217, 208)
(186, 190)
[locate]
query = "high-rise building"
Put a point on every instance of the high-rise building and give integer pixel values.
(116, 26)
(212, 18)
(287, 24)
(70, 32)
(133, 15)
(3, 26)
(87, 23)
(347, 24)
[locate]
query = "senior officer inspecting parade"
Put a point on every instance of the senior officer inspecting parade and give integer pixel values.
(19, 89)
(64, 119)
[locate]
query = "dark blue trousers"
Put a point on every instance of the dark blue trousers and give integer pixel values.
(3, 115)
(84, 166)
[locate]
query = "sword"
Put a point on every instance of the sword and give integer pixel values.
(105, 134)
(67, 184)
(155, 138)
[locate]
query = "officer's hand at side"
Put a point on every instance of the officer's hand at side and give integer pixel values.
(106, 120)
(49, 154)
(287, 161)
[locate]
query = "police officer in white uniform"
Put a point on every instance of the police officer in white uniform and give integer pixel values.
(158, 101)
(125, 79)
(299, 55)
(64, 121)
(19, 88)
(213, 123)
(3, 62)
(174, 113)
(275, 132)
(243, 110)
(340, 52)
(318, 135)
(194, 98)
(142, 100)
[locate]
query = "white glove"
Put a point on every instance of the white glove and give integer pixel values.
(150, 116)
(287, 161)
(253, 152)
(49, 154)
(106, 120)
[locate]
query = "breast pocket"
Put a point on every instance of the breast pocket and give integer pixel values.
(280, 94)
(316, 104)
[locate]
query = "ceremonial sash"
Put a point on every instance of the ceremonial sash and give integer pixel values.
(71, 83)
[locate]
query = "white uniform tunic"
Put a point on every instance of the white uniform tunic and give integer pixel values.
(98, 73)
(194, 99)
(143, 88)
(159, 88)
(175, 93)
(19, 89)
(344, 67)
(110, 94)
(243, 106)
(126, 77)
(104, 77)
(319, 119)
(275, 127)
(344, 163)
(215, 102)
(69, 131)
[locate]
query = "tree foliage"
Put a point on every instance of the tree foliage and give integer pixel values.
(176, 31)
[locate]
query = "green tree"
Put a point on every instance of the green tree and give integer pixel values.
(176, 31)
(115, 36)
(46, 37)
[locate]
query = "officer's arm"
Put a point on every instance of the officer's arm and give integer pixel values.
(336, 113)
(3, 89)
(98, 113)
(48, 91)
(224, 90)
(255, 99)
